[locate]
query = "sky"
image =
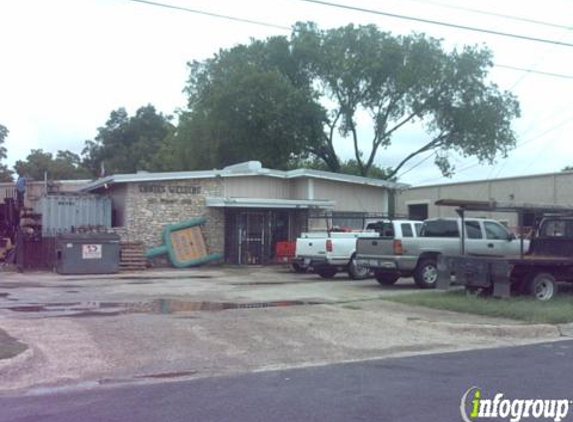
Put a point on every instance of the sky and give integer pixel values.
(66, 64)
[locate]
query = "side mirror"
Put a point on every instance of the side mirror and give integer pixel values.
(510, 237)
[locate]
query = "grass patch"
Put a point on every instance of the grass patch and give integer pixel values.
(9, 346)
(557, 311)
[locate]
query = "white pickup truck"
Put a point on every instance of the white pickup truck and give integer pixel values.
(332, 252)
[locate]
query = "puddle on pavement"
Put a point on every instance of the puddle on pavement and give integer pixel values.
(157, 307)
(142, 278)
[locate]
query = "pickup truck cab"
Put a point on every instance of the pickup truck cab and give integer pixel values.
(391, 258)
(332, 252)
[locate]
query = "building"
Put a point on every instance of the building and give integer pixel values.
(248, 208)
(36, 189)
(543, 189)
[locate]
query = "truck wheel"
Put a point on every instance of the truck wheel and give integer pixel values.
(542, 286)
(357, 272)
(426, 274)
(297, 268)
(326, 272)
(386, 279)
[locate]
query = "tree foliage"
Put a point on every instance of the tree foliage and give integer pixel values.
(66, 165)
(126, 143)
(251, 102)
(5, 173)
(400, 80)
(288, 99)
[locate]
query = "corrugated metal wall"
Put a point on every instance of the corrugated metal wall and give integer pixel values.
(352, 197)
(554, 188)
(257, 187)
(68, 213)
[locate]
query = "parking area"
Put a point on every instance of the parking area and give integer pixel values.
(138, 327)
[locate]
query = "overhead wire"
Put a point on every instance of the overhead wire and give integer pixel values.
(211, 14)
(435, 22)
(533, 70)
(519, 145)
(286, 28)
(494, 14)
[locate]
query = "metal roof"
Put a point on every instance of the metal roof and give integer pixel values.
(246, 169)
(268, 203)
(497, 206)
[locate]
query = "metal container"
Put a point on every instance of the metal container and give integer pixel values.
(68, 213)
(93, 253)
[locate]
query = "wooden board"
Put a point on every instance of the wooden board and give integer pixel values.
(188, 244)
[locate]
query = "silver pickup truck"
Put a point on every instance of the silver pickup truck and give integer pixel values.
(391, 258)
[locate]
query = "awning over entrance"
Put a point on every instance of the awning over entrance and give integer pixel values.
(269, 203)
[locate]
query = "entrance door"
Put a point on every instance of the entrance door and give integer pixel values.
(251, 238)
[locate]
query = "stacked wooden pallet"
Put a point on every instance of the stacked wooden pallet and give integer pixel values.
(132, 256)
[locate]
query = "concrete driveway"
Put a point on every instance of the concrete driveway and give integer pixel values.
(139, 327)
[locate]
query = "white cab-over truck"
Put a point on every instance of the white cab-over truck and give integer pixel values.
(390, 258)
(328, 253)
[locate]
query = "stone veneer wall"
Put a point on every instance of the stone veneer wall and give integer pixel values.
(148, 211)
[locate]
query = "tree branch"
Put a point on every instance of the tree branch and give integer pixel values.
(356, 150)
(433, 144)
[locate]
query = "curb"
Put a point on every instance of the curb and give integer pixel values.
(566, 330)
(505, 330)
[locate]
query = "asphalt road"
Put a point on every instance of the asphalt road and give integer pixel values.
(421, 388)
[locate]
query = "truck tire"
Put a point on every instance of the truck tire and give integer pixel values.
(426, 273)
(386, 279)
(326, 272)
(542, 286)
(297, 268)
(357, 272)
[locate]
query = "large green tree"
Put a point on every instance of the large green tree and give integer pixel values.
(252, 102)
(66, 165)
(241, 96)
(5, 173)
(400, 80)
(126, 143)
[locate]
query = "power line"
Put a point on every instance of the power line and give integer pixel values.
(541, 135)
(440, 23)
(538, 72)
(270, 25)
(519, 145)
(423, 160)
(214, 15)
(498, 15)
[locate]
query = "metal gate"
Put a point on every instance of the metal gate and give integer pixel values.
(251, 238)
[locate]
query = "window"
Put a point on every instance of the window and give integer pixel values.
(495, 231)
(418, 228)
(554, 229)
(473, 230)
(348, 220)
(407, 230)
(440, 228)
(418, 211)
(383, 229)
